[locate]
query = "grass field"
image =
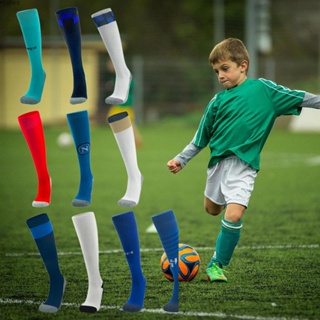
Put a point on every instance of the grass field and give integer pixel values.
(275, 270)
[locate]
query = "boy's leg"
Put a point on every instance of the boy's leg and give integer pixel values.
(80, 129)
(226, 242)
(87, 232)
(30, 26)
(69, 23)
(230, 182)
(32, 129)
(109, 32)
(42, 233)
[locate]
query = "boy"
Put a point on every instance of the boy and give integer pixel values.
(235, 125)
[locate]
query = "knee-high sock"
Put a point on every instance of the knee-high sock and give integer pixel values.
(123, 132)
(168, 232)
(109, 32)
(42, 233)
(87, 232)
(80, 129)
(126, 227)
(30, 26)
(227, 240)
(69, 23)
(32, 129)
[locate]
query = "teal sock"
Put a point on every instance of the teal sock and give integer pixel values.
(30, 26)
(42, 233)
(227, 240)
(80, 129)
(127, 230)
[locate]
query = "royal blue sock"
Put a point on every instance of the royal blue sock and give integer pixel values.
(126, 227)
(168, 232)
(69, 23)
(42, 233)
(227, 240)
(30, 26)
(80, 130)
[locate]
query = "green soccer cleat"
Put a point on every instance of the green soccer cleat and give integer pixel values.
(215, 273)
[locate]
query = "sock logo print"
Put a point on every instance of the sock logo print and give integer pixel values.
(84, 148)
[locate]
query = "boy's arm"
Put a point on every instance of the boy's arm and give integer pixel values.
(189, 152)
(311, 101)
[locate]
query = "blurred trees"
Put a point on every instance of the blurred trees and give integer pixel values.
(175, 28)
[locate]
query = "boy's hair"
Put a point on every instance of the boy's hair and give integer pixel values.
(229, 49)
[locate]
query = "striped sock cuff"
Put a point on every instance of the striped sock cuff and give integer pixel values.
(104, 18)
(40, 226)
(231, 225)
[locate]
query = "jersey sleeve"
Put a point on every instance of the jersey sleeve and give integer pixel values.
(204, 131)
(188, 153)
(284, 100)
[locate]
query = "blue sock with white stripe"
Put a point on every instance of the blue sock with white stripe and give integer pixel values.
(227, 241)
(42, 233)
(168, 232)
(30, 26)
(69, 23)
(80, 129)
(126, 227)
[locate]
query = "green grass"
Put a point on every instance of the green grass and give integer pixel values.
(274, 272)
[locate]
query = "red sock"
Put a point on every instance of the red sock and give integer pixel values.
(32, 129)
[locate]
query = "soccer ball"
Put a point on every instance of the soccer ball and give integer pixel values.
(64, 140)
(189, 263)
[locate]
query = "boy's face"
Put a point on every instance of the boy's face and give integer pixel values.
(230, 74)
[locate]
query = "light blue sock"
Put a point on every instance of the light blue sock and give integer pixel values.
(69, 23)
(30, 26)
(42, 233)
(80, 129)
(227, 241)
(168, 232)
(126, 227)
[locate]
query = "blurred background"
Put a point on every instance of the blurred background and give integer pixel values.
(166, 45)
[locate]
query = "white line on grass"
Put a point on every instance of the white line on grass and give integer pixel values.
(159, 311)
(270, 247)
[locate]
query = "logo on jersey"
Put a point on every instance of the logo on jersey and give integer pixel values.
(84, 148)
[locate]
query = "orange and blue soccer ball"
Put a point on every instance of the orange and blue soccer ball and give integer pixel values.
(189, 263)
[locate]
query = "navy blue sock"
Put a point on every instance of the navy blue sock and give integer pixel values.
(80, 129)
(168, 232)
(69, 23)
(126, 227)
(42, 233)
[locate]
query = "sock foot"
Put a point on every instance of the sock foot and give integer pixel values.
(44, 193)
(136, 299)
(93, 300)
(83, 198)
(171, 307)
(77, 100)
(53, 303)
(121, 91)
(132, 196)
(88, 309)
(34, 93)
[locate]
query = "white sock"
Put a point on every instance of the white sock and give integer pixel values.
(87, 232)
(123, 132)
(109, 32)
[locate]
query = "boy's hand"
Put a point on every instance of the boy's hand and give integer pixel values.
(174, 166)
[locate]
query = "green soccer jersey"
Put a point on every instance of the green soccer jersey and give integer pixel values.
(238, 121)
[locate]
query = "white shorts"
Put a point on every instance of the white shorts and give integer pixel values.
(230, 181)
